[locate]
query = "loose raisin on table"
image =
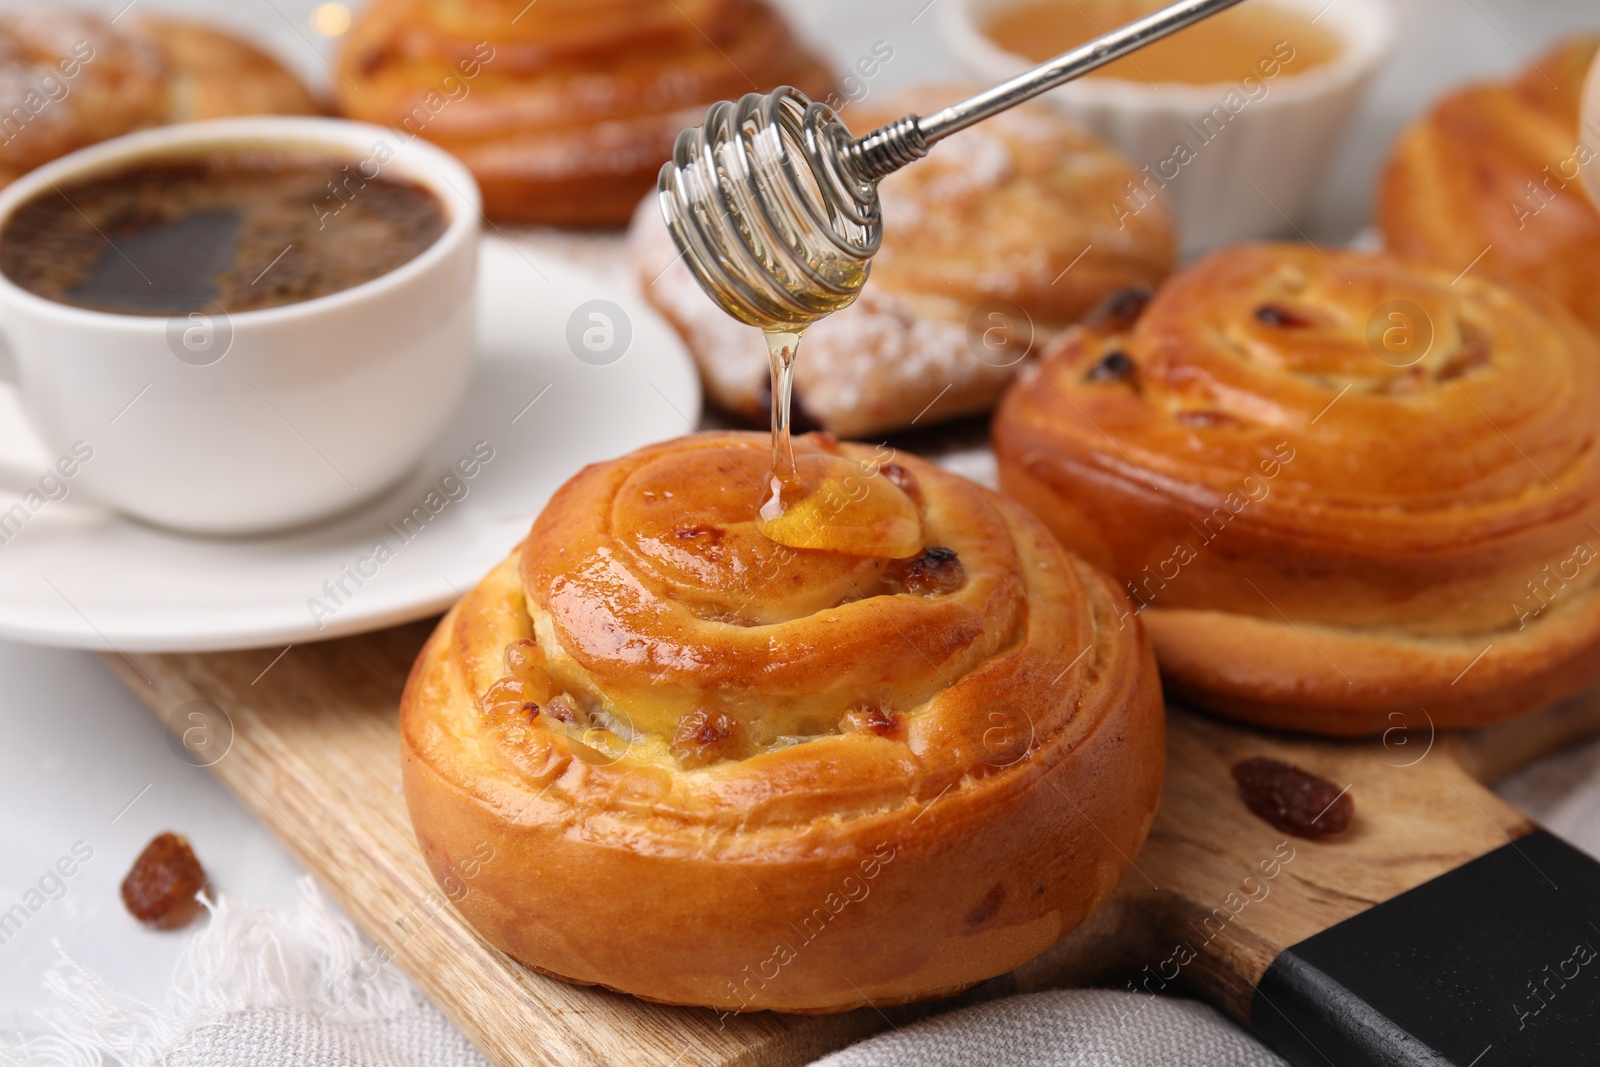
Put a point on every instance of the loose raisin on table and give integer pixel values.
(1295, 801)
(161, 889)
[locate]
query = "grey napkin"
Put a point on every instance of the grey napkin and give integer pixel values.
(1065, 1028)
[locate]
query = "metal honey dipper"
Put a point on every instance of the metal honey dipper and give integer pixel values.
(774, 204)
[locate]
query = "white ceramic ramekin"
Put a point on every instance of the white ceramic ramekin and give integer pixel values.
(1239, 159)
(267, 418)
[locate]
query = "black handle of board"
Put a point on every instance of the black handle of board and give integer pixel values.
(1493, 964)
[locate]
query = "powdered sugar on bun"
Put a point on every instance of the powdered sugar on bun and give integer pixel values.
(1016, 217)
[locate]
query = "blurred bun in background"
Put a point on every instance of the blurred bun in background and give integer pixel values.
(995, 243)
(71, 79)
(564, 110)
(1494, 171)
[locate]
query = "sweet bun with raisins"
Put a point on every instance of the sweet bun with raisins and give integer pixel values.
(718, 771)
(1339, 487)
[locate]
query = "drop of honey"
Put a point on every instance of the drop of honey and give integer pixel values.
(822, 501)
(782, 346)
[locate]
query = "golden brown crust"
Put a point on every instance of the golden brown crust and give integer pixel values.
(1496, 167)
(895, 792)
(71, 79)
(1319, 537)
(1018, 213)
(565, 110)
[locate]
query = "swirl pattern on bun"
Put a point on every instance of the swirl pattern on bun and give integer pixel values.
(713, 770)
(1340, 487)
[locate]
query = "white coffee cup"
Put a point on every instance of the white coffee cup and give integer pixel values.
(261, 419)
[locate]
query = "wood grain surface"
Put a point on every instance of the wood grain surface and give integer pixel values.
(1212, 898)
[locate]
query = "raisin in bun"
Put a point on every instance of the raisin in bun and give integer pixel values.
(563, 110)
(714, 770)
(1340, 487)
(72, 79)
(1011, 222)
(1493, 171)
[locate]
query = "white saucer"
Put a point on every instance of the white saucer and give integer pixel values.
(83, 578)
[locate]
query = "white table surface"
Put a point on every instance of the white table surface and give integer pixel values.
(81, 760)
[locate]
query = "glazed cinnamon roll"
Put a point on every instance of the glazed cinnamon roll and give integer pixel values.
(564, 110)
(1344, 492)
(1493, 171)
(1001, 238)
(686, 762)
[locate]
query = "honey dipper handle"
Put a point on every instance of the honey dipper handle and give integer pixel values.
(891, 147)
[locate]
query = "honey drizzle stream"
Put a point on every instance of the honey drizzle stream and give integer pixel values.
(782, 345)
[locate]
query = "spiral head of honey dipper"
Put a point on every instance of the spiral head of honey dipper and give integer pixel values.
(769, 211)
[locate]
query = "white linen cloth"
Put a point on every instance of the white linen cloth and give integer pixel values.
(260, 987)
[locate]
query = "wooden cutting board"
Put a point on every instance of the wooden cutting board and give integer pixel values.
(308, 742)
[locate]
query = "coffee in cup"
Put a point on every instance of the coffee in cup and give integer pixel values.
(239, 230)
